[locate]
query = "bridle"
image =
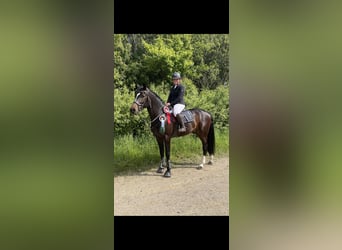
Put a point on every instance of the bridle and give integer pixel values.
(141, 106)
(138, 103)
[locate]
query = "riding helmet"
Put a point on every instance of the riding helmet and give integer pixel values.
(176, 75)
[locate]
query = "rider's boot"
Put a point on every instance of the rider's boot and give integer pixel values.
(180, 121)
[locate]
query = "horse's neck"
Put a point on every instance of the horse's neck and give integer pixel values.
(156, 106)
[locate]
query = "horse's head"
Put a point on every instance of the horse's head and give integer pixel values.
(141, 100)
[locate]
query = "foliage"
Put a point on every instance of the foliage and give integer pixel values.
(210, 58)
(166, 55)
(215, 102)
(202, 60)
(124, 122)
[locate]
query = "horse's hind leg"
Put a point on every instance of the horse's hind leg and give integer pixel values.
(202, 164)
(205, 151)
(211, 161)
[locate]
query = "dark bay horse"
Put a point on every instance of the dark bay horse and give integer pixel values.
(199, 122)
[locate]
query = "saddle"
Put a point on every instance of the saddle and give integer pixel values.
(186, 115)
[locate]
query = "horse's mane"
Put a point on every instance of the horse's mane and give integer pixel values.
(158, 97)
(141, 88)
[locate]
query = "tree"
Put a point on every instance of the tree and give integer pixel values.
(210, 58)
(122, 51)
(167, 53)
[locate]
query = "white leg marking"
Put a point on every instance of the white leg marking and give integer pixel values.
(211, 161)
(203, 162)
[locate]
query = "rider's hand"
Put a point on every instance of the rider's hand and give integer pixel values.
(167, 104)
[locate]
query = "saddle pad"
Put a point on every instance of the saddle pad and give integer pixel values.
(187, 116)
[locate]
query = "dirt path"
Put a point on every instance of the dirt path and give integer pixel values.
(188, 192)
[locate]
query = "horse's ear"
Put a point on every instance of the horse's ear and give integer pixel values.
(144, 86)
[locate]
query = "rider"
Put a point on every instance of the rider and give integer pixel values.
(176, 99)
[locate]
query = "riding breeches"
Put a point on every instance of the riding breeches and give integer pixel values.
(178, 108)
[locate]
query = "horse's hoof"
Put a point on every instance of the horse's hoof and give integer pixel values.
(210, 163)
(200, 166)
(160, 170)
(167, 174)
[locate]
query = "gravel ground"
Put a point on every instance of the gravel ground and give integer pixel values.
(189, 191)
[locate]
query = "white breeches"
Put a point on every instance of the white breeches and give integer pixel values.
(178, 108)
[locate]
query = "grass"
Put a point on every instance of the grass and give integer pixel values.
(139, 154)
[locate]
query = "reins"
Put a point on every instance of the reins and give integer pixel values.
(156, 117)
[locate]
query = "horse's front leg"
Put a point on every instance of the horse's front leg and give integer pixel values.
(161, 152)
(168, 164)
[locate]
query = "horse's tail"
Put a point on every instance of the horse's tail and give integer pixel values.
(211, 138)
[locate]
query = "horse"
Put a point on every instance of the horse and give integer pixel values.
(164, 126)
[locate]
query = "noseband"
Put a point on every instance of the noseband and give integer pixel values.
(138, 103)
(142, 104)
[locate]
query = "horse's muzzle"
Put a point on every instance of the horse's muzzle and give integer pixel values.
(134, 109)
